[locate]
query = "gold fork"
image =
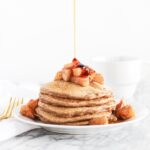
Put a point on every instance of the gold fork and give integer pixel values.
(10, 107)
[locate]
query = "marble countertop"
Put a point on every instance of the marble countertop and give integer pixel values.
(133, 137)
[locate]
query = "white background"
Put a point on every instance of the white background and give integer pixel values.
(36, 36)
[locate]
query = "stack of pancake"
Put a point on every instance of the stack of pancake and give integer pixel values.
(67, 103)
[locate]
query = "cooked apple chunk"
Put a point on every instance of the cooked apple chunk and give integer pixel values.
(58, 75)
(66, 74)
(83, 81)
(98, 78)
(99, 121)
(126, 112)
(77, 72)
(68, 66)
(91, 77)
(28, 110)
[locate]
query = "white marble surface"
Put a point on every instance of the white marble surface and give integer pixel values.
(134, 137)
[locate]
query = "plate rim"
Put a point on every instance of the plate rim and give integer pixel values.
(41, 124)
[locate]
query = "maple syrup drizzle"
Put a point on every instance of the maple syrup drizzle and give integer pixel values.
(74, 23)
(86, 71)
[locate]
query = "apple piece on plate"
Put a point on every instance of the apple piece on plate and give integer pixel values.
(121, 104)
(58, 76)
(83, 81)
(98, 78)
(126, 112)
(99, 121)
(77, 72)
(66, 74)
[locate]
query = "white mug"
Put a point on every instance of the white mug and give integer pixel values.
(122, 74)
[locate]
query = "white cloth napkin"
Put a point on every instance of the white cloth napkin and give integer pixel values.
(12, 127)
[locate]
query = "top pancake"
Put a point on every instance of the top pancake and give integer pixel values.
(70, 90)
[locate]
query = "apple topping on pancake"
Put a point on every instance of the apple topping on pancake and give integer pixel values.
(77, 96)
(79, 74)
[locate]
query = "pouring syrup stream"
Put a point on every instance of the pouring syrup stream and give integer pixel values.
(74, 23)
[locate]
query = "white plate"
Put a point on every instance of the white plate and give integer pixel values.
(141, 113)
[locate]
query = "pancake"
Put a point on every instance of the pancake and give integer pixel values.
(51, 118)
(70, 90)
(80, 123)
(57, 101)
(79, 111)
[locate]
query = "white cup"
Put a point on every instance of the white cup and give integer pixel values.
(122, 74)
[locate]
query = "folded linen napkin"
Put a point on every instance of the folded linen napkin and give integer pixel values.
(11, 127)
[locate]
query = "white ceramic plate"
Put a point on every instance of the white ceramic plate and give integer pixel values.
(141, 113)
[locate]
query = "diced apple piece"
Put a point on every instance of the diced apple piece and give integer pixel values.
(125, 112)
(97, 85)
(66, 74)
(77, 72)
(83, 81)
(98, 78)
(99, 121)
(113, 118)
(121, 104)
(92, 76)
(68, 66)
(58, 75)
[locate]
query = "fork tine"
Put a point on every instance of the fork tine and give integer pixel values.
(11, 108)
(22, 100)
(3, 115)
(17, 103)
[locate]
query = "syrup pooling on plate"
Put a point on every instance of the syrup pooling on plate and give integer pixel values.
(79, 73)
